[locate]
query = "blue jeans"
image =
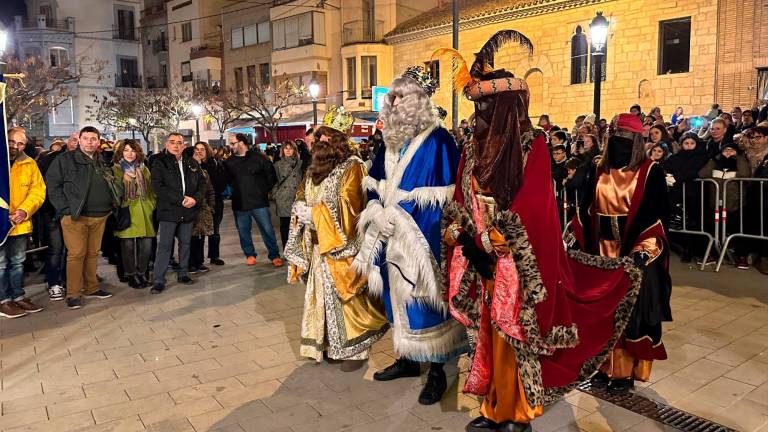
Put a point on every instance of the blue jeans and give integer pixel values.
(12, 255)
(264, 221)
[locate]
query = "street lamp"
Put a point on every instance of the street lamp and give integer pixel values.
(132, 122)
(196, 111)
(598, 30)
(314, 92)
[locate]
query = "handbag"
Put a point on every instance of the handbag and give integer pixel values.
(123, 216)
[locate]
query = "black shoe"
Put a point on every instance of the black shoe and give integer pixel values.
(74, 303)
(124, 279)
(185, 280)
(514, 427)
(144, 282)
(401, 368)
(482, 424)
(194, 270)
(434, 388)
(217, 261)
(102, 294)
(157, 289)
(203, 268)
(173, 264)
(134, 281)
(600, 380)
(621, 386)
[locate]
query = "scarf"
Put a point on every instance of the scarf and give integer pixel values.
(755, 155)
(133, 179)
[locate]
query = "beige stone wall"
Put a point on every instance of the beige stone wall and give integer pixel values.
(632, 59)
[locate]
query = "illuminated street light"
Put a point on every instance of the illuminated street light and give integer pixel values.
(598, 31)
(314, 92)
(196, 111)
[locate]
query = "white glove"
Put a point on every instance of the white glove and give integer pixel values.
(385, 223)
(670, 180)
(304, 214)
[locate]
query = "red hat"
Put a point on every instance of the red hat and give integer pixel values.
(629, 122)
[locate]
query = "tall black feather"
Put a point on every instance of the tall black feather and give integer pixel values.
(487, 52)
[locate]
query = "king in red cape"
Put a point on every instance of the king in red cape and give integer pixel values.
(541, 320)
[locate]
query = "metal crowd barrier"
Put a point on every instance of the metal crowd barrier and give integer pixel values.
(743, 208)
(712, 240)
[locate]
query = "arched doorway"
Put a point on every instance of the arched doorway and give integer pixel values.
(535, 80)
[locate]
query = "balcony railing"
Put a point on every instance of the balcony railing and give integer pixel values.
(45, 23)
(205, 50)
(125, 33)
(154, 82)
(159, 45)
(362, 31)
(153, 11)
(128, 81)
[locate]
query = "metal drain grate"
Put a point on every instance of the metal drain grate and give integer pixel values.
(658, 411)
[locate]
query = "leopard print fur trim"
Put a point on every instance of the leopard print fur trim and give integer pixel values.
(454, 213)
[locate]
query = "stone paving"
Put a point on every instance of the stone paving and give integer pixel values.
(222, 355)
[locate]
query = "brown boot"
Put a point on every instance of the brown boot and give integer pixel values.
(28, 306)
(11, 310)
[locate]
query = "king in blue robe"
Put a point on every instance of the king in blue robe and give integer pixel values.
(412, 177)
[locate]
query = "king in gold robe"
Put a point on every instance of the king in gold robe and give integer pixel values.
(339, 317)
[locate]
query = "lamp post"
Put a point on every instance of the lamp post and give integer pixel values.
(598, 30)
(196, 111)
(314, 92)
(132, 122)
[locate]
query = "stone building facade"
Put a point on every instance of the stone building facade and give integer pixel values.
(643, 60)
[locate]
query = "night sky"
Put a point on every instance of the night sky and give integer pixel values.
(9, 8)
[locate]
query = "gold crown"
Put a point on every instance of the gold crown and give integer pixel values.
(338, 118)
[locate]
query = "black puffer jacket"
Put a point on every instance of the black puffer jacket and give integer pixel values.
(166, 182)
(252, 177)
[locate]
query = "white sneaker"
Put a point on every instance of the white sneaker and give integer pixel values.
(56, 293)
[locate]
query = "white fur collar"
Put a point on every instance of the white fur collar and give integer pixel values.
(395, 166)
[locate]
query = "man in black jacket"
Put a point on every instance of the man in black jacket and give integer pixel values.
(252, 176)
(178, 184)
(84, 193)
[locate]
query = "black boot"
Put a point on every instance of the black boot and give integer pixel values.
(401, 368)
(135, 282)
(435, 387)
(482, 424)
(515, 427)
(621, 385)
(600, 380)
(144, 282)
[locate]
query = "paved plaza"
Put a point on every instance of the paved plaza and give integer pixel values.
(222, 355)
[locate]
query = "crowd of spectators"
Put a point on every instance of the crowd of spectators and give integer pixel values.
(717, 145)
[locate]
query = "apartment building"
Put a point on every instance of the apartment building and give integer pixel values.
(66, 33)
(154, 40)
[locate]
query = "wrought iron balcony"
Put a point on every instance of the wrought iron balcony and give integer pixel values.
(125, 33)
(128, 81)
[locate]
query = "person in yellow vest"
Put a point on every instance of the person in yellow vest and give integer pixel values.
(27, 193)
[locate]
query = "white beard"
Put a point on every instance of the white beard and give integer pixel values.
(398, 130)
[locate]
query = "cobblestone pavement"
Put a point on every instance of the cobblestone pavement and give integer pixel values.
(222, 355)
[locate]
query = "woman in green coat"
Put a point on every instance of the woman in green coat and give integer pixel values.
(138, 197)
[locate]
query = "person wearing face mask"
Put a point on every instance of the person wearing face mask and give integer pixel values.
(624, 214)
(729, 164)
(681, 169)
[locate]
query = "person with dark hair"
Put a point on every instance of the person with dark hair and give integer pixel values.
(658, 135)
(214, 166)
(544, 122)
(179, 187)
(84, 192)
(376, 142)
(559, 174)
(758, 145)
(340, 320)
(624, 213)
(309, 138)
(304, 155)
(252, 176)
(202, 226)
(26, 190)
(681, 169)
(289, 171)
(636, 110)
(135, 241)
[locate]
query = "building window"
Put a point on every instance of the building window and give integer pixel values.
(298, 30)
(252, 78)
(128, 75)
(126, 28)
(63, 112)
(264, 74)
(368, 75)
(351, 78)
(674, 46)
(433, 68)
(237, 37)
(186, 32)
(250, 35)
(579, 57)
(59, 57)
(186, 71)
(263, 32)
(239, 79)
